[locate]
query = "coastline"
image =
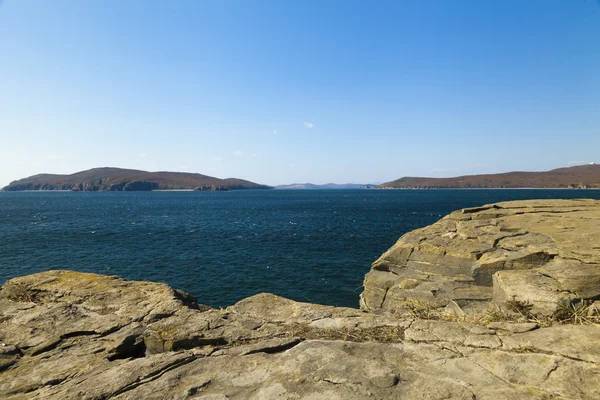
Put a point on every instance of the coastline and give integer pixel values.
(487, 188)
(173, 190)
(308, 190)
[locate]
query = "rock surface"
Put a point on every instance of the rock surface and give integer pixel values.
(543, 253)
(67, 335)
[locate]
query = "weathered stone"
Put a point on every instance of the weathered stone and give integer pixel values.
(270, 348)
(571, 341)
(542, 251)
(544, 294)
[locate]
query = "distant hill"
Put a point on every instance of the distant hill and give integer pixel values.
(310, 186)
(582, 177)
(118, 179)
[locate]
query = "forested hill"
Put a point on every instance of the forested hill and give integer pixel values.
(583, 177)
(118, 179)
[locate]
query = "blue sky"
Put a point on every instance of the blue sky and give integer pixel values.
(305, 91)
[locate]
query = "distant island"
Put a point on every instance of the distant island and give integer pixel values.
(578, 177)
(119, 179)
(312, 186)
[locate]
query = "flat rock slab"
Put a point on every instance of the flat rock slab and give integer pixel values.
(67, 335)
(545, 252)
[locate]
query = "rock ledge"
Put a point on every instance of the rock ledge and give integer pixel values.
(68, 335)
(545, 253)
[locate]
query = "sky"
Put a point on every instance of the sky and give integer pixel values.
(299, 91)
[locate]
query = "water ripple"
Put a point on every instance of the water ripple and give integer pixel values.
(221, 247)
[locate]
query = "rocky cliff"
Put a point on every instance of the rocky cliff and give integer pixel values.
(69, 335)
(542, 254)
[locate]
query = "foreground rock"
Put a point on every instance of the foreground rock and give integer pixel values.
(544, 254)
(67, 335)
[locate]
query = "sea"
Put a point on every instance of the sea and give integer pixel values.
(307, 245)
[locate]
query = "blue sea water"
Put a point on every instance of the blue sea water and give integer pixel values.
(223, 246)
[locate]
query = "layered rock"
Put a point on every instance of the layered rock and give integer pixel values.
(544, 253)
(67, 335)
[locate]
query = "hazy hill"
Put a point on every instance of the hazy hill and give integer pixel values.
(118, 179)
(309, 186)
(584, 176)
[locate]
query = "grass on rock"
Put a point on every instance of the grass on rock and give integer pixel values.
(579, 312)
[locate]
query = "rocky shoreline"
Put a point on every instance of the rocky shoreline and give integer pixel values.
(439, 320)
(542, 252)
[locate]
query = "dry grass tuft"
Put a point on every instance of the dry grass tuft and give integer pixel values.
(578, 312)
(420, 309)
(19, 294)
(381, 334)
(522, 307)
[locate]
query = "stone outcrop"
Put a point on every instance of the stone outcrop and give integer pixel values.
(541, 253)
(67, 335)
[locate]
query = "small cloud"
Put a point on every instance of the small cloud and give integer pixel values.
(144, 155)
(237, 153)
(53, 157)
(292, 165)
(309, 125)
(572, 163)
(274, 131)
(439, 170)
(482, 166)
(217, 159)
